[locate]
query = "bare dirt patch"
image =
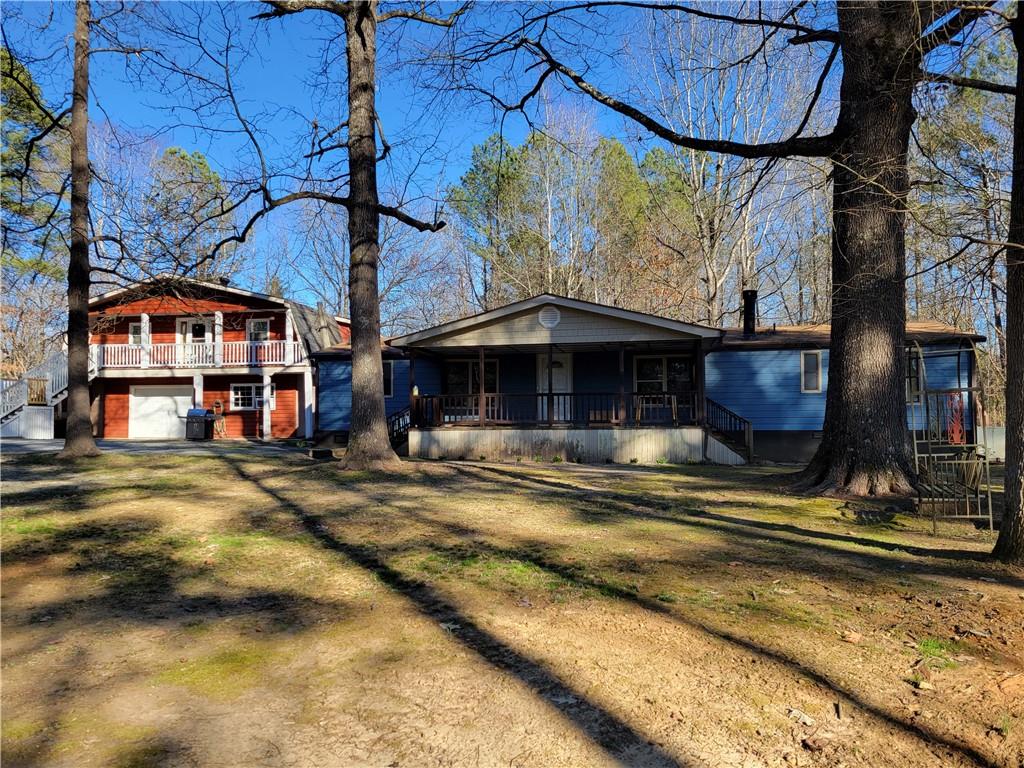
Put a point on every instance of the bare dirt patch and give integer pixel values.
(163, 610)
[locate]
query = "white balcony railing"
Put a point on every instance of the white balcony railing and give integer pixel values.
(229, 354)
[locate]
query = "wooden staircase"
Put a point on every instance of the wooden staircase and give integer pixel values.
(44, 385)
(729, 428)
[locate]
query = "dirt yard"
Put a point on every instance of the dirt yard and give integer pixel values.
(162, 610)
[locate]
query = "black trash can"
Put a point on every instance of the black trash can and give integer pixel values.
(198, 424)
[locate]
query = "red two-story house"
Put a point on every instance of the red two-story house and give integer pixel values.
(163, 346)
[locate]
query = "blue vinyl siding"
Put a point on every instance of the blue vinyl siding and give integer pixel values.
(599, 372)
(428, 376)
(763, 386)
(335, 390)
(334, 395)
(760, 385)
(517, 374)
(943, 371)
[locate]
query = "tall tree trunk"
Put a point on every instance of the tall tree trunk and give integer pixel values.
(1010, 545)
(79, 440)
(864, 447)
(369, 446)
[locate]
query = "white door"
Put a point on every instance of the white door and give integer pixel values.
(561, 383)
(195, 340)
(157, 412)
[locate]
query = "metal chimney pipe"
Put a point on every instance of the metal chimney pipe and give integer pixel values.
(749, 312)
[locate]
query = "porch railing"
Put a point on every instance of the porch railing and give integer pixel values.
(736, 430)
(198, 355)
(582, 409)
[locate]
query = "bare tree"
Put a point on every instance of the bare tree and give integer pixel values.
(356, 134)
(1010, 545)
(79, 440)
(865, 448)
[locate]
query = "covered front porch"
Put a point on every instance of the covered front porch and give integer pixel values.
(565, 385)
(568, 380)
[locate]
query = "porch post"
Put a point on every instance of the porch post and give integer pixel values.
(307, 403)
(197, 390)
(413, 417)
(551, 386)
(481, 398)
(147, 338)
(266, 406)
(622, 384)
(218, 338)
(698, 374)
(289, 337)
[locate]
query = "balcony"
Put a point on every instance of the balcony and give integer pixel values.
(228, 354)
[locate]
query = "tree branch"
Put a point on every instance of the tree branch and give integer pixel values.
(810, 146)
(964, 17)
(422, 16)
(969, 82)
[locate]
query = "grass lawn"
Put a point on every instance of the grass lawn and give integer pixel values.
(269, 611)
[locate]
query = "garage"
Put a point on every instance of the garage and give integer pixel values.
(157, 412)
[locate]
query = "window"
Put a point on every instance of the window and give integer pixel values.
(134, 333)
(259, 330)
(389, 378)
(249, 397)
(654, 375)
(462, 377)
(810, 371)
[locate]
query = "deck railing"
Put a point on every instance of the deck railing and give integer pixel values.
(582, 409)
(233, 354)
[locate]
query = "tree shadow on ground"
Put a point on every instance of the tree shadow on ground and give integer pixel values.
(124, 573)
(614, 735)
(614, 504)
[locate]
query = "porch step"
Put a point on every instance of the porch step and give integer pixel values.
(732, 443)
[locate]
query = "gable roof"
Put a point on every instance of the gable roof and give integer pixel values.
(103, 298)
(562, 302)
(818, 336)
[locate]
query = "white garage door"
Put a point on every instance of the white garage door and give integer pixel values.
(158, 412)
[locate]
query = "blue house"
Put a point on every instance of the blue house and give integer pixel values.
(557, 377)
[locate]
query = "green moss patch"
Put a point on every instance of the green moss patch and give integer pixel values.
(223, 675)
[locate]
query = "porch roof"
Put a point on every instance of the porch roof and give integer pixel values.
(555, 320)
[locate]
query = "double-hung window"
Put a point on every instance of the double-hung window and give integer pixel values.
(134, 333)
(249, 397)
(259, 329)
(810, 371)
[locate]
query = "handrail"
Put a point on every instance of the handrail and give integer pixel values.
(731, 425)
(399, 423)
(557, 408)
(13, 397)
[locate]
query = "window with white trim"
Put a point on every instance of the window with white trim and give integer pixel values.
(810, 372)
(249, 397)
(259, 329)
(134, 333)
(389, 378)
